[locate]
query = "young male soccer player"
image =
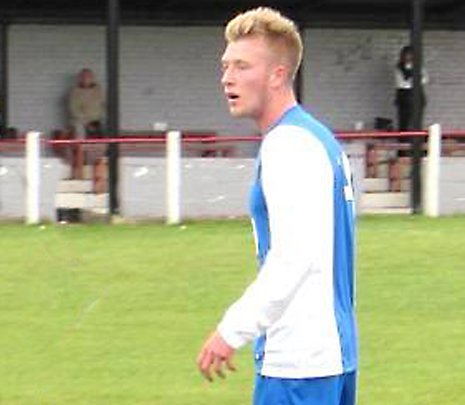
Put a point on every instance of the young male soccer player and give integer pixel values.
(300, 308)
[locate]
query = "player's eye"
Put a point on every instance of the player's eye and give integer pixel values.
(242, 65)
(225, 67)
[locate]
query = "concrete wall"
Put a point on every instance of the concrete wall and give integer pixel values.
(171, 75)
(211, 187)
(13, 186)
(452, 186)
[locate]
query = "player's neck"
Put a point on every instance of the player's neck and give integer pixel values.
(275, 110)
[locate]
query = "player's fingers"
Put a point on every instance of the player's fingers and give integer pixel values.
(207, 373)
(205, 358)
(204, 363)
(230, 364)
(219, 367)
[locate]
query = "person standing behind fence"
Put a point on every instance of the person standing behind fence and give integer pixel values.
(404, 90)
(300, 308)
(87, 106)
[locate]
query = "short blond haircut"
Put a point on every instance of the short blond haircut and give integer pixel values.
(280, 32)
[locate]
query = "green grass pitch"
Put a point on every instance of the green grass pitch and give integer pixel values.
(93, 315)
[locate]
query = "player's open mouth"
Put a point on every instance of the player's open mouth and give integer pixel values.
(232, 96)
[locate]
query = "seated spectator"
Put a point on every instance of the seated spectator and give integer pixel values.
(87, 113)
(87, 106)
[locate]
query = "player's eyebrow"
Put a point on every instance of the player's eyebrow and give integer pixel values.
(236, 62)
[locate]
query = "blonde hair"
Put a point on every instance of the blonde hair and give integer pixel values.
(280, 32)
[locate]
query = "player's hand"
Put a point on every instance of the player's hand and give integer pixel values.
(216, 354)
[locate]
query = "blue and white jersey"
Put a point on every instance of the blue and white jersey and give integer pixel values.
(300, 308)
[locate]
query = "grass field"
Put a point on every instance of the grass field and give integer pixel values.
(94, 315)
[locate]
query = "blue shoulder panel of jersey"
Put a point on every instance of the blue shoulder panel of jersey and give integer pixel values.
(344, 222)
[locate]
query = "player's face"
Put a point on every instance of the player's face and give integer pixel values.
(247, 67)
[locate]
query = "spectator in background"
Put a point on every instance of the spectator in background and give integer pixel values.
(87, 106)
(87, 113)
(404, 89)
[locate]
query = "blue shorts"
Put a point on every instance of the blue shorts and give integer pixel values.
(337, 390)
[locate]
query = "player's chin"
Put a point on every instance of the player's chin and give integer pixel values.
(237, 112)
(234, 113)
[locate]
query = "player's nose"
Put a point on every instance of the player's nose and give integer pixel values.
(227, 78)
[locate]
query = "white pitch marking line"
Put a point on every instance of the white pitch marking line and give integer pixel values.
(86, 311)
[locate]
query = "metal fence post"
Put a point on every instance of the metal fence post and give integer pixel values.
(33, 178)
(433, 164)
(173, 178)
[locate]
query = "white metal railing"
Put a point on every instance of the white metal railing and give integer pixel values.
(33, 178)
(432, 172)
(431, 179)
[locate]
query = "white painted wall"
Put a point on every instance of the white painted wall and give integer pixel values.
(168, 75)
(349, 75)
(171, 74)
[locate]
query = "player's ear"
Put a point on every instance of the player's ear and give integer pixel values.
(279, 76)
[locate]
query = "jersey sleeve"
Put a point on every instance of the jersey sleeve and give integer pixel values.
(297, 181)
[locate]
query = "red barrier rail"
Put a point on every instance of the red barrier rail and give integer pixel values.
(343, 135)
(222, 139)
(76, 150)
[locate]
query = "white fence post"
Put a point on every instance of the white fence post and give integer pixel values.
(173, 178)
(33, 178)
(433, 162)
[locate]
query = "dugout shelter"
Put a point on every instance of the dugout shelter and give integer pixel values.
(112, 14)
